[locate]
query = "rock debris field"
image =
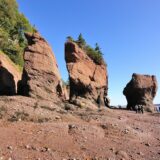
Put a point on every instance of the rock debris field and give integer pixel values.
(37, 130)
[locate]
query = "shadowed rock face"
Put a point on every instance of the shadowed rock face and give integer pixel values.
(87, 79)
(9, 76)
(7, 83)
(40, 74)
(141, 90)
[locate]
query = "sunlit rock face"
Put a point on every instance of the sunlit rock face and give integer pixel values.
(87, 79)
(40, 74)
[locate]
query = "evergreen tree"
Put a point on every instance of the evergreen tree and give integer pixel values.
(69, 38)
(98, 49)
(94, 53)
(81, 41)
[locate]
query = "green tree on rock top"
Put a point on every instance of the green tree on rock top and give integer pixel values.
(81, 41)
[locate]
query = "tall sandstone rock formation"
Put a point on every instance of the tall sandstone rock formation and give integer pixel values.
(87, 79)
(141, 90)
(40, 74)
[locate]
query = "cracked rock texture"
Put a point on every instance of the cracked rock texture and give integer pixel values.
(40, 74)
(87, 79)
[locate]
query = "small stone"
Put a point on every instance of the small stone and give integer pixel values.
(147, 144)
(1, 158)
(27, 147)
(126, 131)
(58, 117)
(44, 149)
(112, 149)
(104, 126)
(34, 148)
(122, 155)
(71, 126)
(140, 153)
(114, 125)
(10, 147)
(120, 118)
(83, 148)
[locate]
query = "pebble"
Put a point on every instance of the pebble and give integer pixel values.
(147, 144)
(140, 153)
(27, 147)
(45, 149)
(57, 117)
(126, 131)
(114, 125)
(104, 126)
(120, 118)
(122, 154)
(112, 149)
(10, 147)
(34, 148)
(71, 126)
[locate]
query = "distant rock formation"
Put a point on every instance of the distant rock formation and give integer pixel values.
(141, 90)
(40, 74)
(87, 79)
(9, 76)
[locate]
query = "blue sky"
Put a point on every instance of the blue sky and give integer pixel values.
(128, 32)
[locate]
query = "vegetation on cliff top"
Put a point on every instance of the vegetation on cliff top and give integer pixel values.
(94, 53)
(13, 24)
